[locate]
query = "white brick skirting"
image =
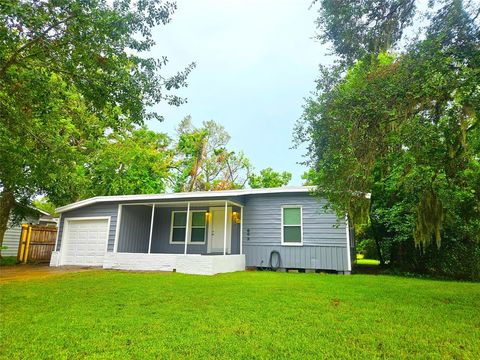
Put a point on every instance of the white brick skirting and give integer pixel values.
(209, 264)
(187, 264)
(138, 261)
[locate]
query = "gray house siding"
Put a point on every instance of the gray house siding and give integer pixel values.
(161, 234)
(324, 237)
(104, 209)
(11, 239)
(134, 229)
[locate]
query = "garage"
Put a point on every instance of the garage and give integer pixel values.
(85, 242)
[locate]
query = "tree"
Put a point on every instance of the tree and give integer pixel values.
(45, 205)
(268, 178)
(203, 161)
(71, 72)
(129, 162)
(404, 127)
(358, 28)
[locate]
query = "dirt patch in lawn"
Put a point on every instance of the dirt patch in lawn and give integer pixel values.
(26, 272)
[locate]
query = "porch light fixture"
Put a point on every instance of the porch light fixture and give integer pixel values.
(236, 217)
(207, 216)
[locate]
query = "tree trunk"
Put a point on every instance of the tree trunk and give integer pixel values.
(379, 250)
(7, 201)
(375, 233)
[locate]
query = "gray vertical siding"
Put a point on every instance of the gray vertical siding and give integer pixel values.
(324, 237)
(103, 209)
(134, 231)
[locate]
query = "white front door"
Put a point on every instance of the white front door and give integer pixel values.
(217, 229)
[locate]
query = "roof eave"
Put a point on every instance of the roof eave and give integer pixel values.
(184, 195)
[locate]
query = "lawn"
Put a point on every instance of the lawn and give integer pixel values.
(113, 314)
(367, 262)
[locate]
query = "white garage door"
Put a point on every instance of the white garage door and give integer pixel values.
(85, 242)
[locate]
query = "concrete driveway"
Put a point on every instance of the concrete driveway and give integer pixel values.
(25, 272)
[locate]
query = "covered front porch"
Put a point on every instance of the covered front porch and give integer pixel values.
(194, 237)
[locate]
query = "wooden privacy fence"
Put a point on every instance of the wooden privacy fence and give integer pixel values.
(36, 243)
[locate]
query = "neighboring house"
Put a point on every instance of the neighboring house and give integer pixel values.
(11, 239)
(204, 232)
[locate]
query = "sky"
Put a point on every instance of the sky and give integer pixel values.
(256, 62)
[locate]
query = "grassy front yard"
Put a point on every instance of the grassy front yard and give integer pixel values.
(367, 262)
(111, 314)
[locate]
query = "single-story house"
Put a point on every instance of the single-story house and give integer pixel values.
(204, 232)
(11, 239)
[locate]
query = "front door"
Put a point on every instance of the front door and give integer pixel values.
(217, 229)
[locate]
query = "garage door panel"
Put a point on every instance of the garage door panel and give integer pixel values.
(85, 242)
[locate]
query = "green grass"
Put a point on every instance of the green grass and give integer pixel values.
(8, 260)
(367, 262)
(118, 315)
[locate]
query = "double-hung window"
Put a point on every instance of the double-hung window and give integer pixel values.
(197, 227)
(292, 231)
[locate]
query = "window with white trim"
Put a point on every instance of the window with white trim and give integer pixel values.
(197, 228)
(292, 232)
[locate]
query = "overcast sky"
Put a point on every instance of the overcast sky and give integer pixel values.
(256, 61)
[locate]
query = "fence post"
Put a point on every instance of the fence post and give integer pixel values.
(29, 236)
(21, 245)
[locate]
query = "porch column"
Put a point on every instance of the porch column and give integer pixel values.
(151, 229)
(186, 227)
(241, 230)
(225, 230)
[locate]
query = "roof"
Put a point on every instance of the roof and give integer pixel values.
(40, 211)
(184, 195)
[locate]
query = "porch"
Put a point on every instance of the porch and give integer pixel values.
(193, 237)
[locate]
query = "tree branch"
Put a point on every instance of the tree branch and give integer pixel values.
(30, 43)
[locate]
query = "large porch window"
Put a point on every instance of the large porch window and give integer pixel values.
(197, 228)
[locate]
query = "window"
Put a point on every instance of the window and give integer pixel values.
(179, 226)
(292, 232)
(197, 228)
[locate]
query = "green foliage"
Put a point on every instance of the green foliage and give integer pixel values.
(268, 178)
(70, 73)
(95, 47)
(129, 162)
(367, 248)
(7, 260)
(357, 28)
(405, 128)
(45, 205)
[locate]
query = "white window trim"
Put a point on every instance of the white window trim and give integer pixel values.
(189, 242)
(301, 225)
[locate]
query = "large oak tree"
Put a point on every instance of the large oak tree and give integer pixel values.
(70, 73)
(403, 125)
